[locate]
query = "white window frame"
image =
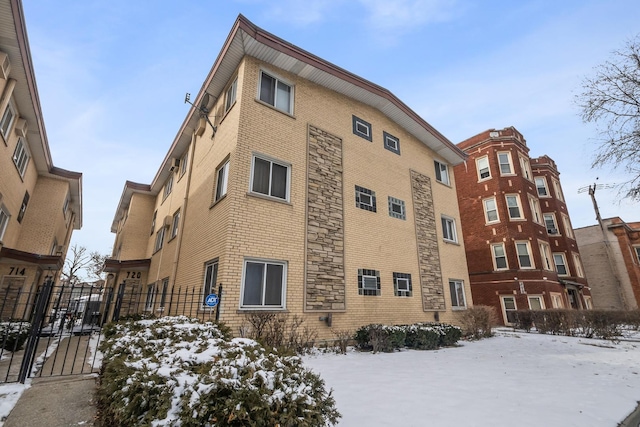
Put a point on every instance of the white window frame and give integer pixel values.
(264, 284)
(183, 163)
(528, 254)
(406, 282)
(543, 180)
(230, 95)
(577, 264)
(168, 187)
(540, 298)
(5, 216)
(588, 302)
(563, 263)
(556, 300)
(637, 248)
(7, 124)
(487, 210)
(545, 254)
(536, 213)
(396, 202)
(456, 292)
(449, 233)
(277, 82)
(21, 156)
(568, 229)
(525, 167)
(495, 256)
(551, 217)
(159, 239)
(163, 295)
(480, 166)
(391, 143)
(518, 205)
(271, 161)
(222, 179)
(175, 224)
(558, 189)
(209, 280)
(509, 163)
(442, 172)
(504, 307)
(362, 128)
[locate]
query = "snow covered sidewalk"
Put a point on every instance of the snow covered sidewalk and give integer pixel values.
(512, 379)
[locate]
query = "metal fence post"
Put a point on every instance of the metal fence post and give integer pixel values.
(219, 302)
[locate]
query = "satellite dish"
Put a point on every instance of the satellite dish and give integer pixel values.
(204, 105)
(203, 109)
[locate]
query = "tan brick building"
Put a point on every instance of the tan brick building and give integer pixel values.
(521, 250)
(40, 204)
(611, 253)
(301, 188)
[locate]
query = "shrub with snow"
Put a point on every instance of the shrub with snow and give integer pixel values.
(422, 336)
(180, 372)
(13, 334)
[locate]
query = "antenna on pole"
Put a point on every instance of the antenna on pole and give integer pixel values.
(203, 109)
(592, 192)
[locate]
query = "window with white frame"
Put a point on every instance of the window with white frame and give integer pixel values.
(159, 239)
(536, 213)
(449, 229)
(21, 156)
(210, 279)
(230, 95)
(4, 220)
(545, 254)
(504, 160)
(513, 206)
(482, 164)
(391, 142)
(362, 128)
(368, 282)
(637, 248)
(499, 256)
(556, 300)
(577, 264)
(525, 167)
(509, 308)
(491, 210)
(568, 229)
(163, 294)
(456, 288)
(175, 223)
(222, 176)
(550, 223)
(558, 189)
(276, 93)
(264, 284)
(148, 303)
(561, 264)
(23, 207)
(168, 186)
(524, 254)
(402, 284)
(442, 172)
(365, 199)
(536, 302)
(7, 121)
(183, 163)
(396, 208)
(588, 302)
(541, 186)
(270, 177)
(153, 222)
(65, 207)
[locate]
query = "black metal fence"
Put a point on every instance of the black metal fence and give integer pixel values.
(55, 329)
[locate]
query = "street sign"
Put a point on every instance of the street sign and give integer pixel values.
(211, 300)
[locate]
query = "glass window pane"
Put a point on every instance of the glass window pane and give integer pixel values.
(509, 303)
(273, 291)
(534, 303)
(253, 284)
(283, 97)
(279, 181)
(268, 89)
(261, 176)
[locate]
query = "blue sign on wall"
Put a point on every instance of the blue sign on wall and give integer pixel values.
(211, 300)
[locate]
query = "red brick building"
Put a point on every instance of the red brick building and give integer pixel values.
(521, 250)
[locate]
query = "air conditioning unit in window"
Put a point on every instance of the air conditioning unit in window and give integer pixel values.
(552, 231)
(175, 164)
(5, 65)
(167, 221)
(21, 127)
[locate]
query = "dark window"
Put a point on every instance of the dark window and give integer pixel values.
(456, 287)
(402, 284)
(396, 208)
(263, 284)
(391, 143)
(153, 222)
(270, 178)
(442, 172)
(361, 128)
(368, 282)
(165, 288)
(365, 199)
(210, 278)
(275, 93)
(23, 207)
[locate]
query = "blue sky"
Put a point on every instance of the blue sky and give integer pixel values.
(112, 76)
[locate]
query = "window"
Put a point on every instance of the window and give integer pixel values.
(449, 229)
(541, 186)
(536, 302)
(23, 207)
(365, 199)
(159, 240)
(163, 295)
(368, 282)
(637, 248)
(276, 93)
(183, 163)
(7, 121)
(21, 156)
(524, 254)
(504, 160)
(561, 264)
(509, 308)
(588, 303)
(456, 287)
(577, 264)
(230, 95)
(361, 128)
(391, 143)
(210, 279)
(490, 210)
(568, 230)
(499, 256)
(483, 168)
(525, 167)
(396, 208)
(222, 176)
(545, 254)
(536, 214)
(168, 186)
(402, 284)
(550, 223)
(175, 223)
(556, 300)
(65, 207)
(513, 206)
(148, 304)
(153, 222)
(270, 177)
(442, 172)
(558, 189)
(54, 247)
(264, 284)
(4, 220)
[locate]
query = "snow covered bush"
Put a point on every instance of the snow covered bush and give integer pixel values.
(423, 336)
(176, 371)
(13, 334)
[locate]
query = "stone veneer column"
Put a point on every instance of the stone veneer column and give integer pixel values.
(325, 283)
(428, 255)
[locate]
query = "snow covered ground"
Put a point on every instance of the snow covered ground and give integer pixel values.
(513, 379)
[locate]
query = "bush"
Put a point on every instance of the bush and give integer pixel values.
(279, 331)
(478, 320)
(13, 334)
(179, 371)
(423, 336)
(343, 337)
